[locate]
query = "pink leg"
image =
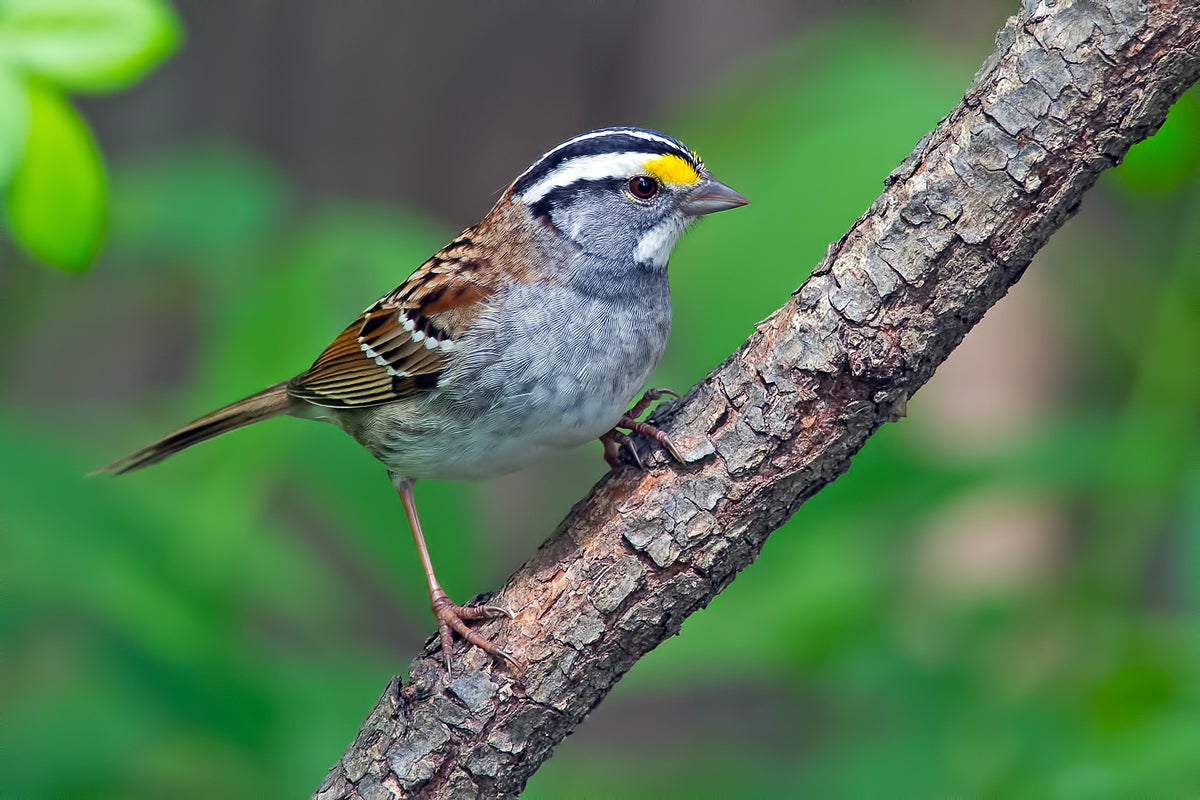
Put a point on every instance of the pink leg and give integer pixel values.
(451, 618)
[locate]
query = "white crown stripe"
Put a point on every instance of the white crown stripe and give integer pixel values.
(586, 168)
(637, 133)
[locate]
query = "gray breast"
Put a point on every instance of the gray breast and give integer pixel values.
(561, 366)
(543, 369)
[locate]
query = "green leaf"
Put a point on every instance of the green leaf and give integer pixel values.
(55, 206)
(14, 123)
(87, 45)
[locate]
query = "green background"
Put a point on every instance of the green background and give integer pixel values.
(1000, 599)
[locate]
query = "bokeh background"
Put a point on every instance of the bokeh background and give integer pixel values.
(1000, 599)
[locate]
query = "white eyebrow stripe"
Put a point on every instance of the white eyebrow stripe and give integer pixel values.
(587, 168)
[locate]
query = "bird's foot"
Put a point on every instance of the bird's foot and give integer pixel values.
(453, 619)
(613, 440)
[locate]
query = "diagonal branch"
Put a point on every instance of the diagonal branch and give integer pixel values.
(1071, 85)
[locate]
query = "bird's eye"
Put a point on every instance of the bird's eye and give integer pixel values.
(643, 187)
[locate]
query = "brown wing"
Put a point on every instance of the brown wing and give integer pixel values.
(400, 346)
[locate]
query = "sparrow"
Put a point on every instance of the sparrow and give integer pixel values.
(529, 332)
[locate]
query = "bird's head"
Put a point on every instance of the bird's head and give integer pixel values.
(621, 194)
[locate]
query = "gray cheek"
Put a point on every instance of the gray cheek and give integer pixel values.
(604, 226)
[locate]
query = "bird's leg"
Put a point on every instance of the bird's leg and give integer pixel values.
(451, 618)
(649, 397)
(615, 438)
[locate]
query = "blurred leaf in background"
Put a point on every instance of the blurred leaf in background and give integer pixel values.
(51, 172)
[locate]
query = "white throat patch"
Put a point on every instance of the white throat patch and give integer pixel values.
(655, 245)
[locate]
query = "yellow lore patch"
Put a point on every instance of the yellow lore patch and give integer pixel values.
(671, 169)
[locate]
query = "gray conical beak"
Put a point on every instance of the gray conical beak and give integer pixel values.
(711, 195)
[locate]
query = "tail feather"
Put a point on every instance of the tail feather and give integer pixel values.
(270, 402)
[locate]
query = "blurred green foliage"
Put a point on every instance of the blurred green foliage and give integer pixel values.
(218, 626)
(51, 172)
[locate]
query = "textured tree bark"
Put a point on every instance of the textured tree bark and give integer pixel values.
(1071, 85)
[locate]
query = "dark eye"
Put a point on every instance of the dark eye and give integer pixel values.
(643, 187)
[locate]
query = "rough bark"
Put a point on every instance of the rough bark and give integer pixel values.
(1071, 85)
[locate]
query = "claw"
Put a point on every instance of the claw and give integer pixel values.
(649, 397)
(496, 611)
(452, 619)
(615, 438)
(612, 442)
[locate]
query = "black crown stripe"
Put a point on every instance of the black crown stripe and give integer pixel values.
(613, 140)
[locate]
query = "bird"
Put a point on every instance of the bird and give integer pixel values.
(530, 332)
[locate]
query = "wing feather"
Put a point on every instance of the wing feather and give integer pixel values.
(400, 346)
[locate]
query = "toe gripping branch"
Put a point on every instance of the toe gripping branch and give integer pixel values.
(613, 440)
(453, 619)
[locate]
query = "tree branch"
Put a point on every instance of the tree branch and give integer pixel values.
(1071, 85)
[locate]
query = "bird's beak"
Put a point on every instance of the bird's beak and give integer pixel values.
(711, 195)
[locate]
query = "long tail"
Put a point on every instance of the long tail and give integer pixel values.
(270, 402)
